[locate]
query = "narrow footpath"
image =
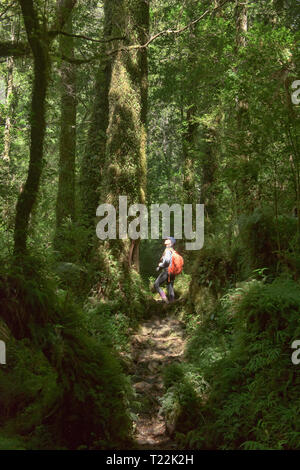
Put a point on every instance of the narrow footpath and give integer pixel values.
(158, 342)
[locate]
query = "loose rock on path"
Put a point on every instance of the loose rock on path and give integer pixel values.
(158, 342)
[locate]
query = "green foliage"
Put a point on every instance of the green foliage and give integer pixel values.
(11, 443)
(109, 328)
(150, 252)
(243, 356)
(64, 380)
(28, 387)
(182, 395)
(181, 285)
(69, 308)
(215, 268)
(265, 237)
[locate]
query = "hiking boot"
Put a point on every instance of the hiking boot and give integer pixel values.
(164, 297)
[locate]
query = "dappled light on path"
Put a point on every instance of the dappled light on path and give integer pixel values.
(158, 343)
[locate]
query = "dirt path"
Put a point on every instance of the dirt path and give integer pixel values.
(158, 342)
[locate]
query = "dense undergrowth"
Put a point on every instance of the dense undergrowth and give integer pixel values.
(238, 387)
(239, 378)
(64, 384)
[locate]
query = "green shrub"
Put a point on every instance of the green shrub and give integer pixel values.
(264, 238)
(216, 268)
(243, 354)
(58, 376)
(184, 387)
(213, 267)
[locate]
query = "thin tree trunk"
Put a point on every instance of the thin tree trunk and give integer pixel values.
(209, 168)
(93, 160)
(65, 204)
(39, 43)
(28, 196)
(191, 128)
(9, 95)
(241, 17)
(5, 172)
(189, 137)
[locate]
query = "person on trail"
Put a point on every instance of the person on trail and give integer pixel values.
(164, 276)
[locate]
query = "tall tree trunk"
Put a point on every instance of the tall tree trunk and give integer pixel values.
(143, 21)
(191, 126)
(5, 172)
(9, 96)
(243, 185)
(28, 196)
(125, 172)
(39, 42)
(65, 203)
(209, 168)
(93, 161)
(241, 22)
(189, 139)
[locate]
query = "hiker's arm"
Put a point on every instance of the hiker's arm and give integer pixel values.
(166, 260)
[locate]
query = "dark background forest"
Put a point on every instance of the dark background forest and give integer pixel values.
(164, 101)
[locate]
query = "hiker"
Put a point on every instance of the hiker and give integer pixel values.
(165, 275)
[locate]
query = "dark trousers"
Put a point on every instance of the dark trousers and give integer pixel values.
(162, 278)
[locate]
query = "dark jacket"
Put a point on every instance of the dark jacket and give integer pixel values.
(166, 258)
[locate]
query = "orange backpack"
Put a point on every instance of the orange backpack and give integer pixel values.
(176, 264)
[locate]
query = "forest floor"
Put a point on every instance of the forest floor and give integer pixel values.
(158, 343)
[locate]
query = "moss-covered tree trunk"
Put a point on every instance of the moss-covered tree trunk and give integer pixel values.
(125, 171)
(65, 203)
(28, 196)
(39, 41)
(93, 160)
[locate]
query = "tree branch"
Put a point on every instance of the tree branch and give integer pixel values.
(80, 36)
(170, 31)
(77, 61)
(141, 46)
(11, 49)
(73, 60)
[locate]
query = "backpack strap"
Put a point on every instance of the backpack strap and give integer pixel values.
(172, 251)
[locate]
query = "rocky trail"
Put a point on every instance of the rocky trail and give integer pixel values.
(158, 342)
